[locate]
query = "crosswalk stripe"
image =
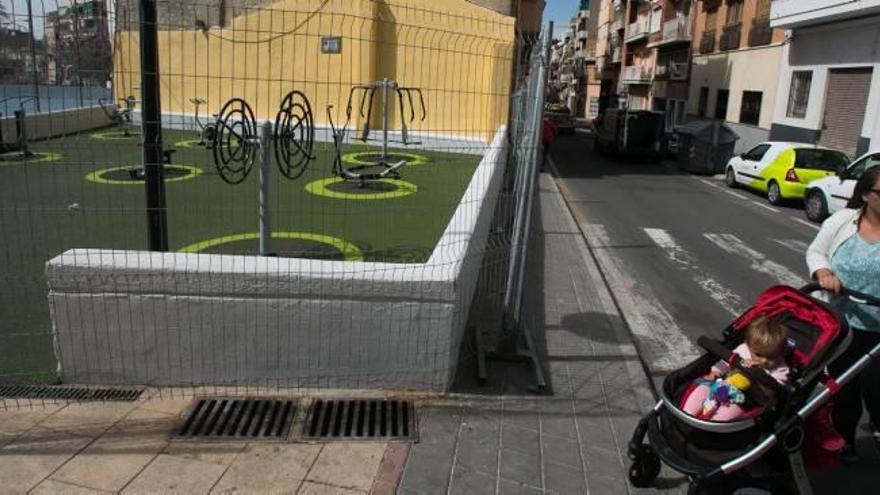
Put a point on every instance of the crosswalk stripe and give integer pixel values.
(795, 245)
(661, 341)
(725, 297)
(804, 222)
(759, 261)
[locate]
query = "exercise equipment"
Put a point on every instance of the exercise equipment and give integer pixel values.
(240, 142)
(207, 130)
(359, 173)
(19, 151)
(406, 98)
(121, 114)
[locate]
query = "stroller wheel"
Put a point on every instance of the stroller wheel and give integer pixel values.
(645, 469)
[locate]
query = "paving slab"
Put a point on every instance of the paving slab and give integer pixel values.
(35, 455)
(52, 487)
(348, 465)
(170, 474)
(268, 467)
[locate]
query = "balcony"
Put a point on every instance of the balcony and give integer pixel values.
(615, 55)
(671, 71)
(636, 74)
(799, 13)
(582, 34)
(638, 30)
(617, 23)
(707, 42)
(761, 32)
(677, 30)
(731, 37)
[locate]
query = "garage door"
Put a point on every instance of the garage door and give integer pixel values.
(845, 109)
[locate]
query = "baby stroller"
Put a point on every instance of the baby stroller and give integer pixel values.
(763, 448)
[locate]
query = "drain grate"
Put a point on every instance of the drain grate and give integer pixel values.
(78, 394)
(244, 419)
(360, 419)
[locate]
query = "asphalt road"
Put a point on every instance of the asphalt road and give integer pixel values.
(683, 254)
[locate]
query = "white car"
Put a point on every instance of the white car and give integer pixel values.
(825, 196)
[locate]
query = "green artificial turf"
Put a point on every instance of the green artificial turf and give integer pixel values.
(49, 207)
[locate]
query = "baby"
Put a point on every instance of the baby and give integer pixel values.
(764, 347)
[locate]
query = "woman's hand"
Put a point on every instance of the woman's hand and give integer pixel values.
(828, 281)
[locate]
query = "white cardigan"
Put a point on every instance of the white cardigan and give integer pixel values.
(834, 232)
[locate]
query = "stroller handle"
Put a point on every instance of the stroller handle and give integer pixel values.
(854, 296)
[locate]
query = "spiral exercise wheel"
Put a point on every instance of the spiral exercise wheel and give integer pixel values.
(294, 135)
(235, 144)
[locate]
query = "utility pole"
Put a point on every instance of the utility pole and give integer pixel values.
(33, 43)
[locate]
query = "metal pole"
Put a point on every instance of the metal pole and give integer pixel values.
(78, 55)
(385, 86)
(151, 124)
(265, 224)
(33, 43)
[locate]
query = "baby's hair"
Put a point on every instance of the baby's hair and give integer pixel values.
(766, 336)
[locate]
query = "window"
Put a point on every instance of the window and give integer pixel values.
(721, 104)
(799, 94)
(704, 102)
(819, 159)
(656, 20)
(711, 19)
(734, 12)
(757, 153)
(763, 10)
(750, 111)
(855, 172)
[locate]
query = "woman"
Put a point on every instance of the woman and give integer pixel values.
(846, 253)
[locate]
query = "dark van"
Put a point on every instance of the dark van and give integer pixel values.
(639, 133)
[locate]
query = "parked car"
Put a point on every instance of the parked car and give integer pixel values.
(827, 195)
(561, 117)
(783, 170)
(631, 132)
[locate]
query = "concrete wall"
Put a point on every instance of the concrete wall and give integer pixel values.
(460, 54)
(129, 317)
(754, 69)
(52, 124)
(818, 49)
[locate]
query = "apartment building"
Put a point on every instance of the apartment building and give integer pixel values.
(735, 66)
(829, 86)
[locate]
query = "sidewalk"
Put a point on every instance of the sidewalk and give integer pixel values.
(493, 439)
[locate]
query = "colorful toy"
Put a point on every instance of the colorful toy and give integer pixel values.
(723, 392)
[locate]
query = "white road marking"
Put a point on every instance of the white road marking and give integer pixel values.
(808, 224)
(759, 262)
(709, 183)
(728, 299)
(795, 245)
(766, 207)
(738, 195)
(660, 340)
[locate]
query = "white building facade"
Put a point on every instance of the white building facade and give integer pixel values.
(829, 84)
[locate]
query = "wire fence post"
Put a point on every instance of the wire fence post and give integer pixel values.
(151, 122)
(265, 222)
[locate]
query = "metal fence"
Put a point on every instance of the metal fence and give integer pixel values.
(278, 194)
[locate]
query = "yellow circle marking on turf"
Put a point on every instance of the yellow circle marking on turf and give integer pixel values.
(349, 251)
(36, 157)
(319, 188)
(188, 143)
(115, 136)
(355, 158)
(96, 175)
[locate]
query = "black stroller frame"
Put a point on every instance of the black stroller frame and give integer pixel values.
(814, 390)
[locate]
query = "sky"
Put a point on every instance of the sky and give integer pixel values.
(558, 11)
(40, 9)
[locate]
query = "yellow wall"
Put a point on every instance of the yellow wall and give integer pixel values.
(458, 53)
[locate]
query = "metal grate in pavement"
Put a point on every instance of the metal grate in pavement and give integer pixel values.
(76, 394)
(360, 419)
(224, 418)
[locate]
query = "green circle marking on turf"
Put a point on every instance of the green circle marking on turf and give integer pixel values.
(319, 188)
(349, 251)
(36, 157)
(358, 157)
(97, 175)
(115, 136)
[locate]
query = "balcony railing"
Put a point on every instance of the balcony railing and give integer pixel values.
(678, 29)
(615, 55)
(731, 37)
(638, 30)
(636, 74)
(617, 23)
(707, 42)
(761, 33)
(582, 34)
(672, 71)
